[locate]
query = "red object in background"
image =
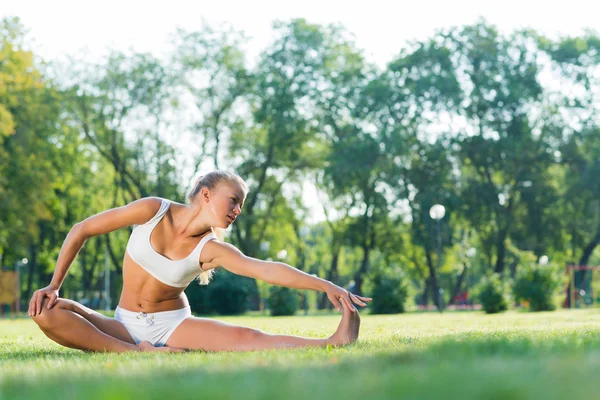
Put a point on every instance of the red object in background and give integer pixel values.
(461, 298)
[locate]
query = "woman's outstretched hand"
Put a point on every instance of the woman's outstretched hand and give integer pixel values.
(337, 295)
(35, 304)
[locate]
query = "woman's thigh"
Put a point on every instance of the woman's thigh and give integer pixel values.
(210, 335)
(108, 325)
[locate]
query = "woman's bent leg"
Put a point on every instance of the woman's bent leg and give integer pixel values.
(73, 325)
(210, 335)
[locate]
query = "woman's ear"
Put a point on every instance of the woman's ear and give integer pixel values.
(205, 194)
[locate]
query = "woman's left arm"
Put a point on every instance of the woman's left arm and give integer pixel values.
(278, 273)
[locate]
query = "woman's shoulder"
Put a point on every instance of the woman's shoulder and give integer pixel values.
(157, 202)
(151, 203)
(148, 208)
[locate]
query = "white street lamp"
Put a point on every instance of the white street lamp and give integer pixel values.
(437, 212)
(18, 266)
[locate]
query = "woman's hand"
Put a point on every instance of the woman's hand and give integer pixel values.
(35, 304)
(337, 295)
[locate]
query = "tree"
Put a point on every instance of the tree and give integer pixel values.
(213, 70)
(503, 150)
(574, 63)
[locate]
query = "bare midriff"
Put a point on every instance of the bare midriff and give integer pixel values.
(143, 292)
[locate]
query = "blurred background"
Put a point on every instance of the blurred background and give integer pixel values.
(436, 156)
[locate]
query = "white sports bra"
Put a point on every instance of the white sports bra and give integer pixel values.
(176, 273)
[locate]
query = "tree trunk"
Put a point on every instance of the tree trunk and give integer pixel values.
(589, 249)
(580, 276)
(30, 271)
(359, 276)
(435, 289)
(332, 275)
(501, 246)
(425, 295)
(458, 284)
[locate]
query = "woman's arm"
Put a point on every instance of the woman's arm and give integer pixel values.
(137, 212)
(276, 273)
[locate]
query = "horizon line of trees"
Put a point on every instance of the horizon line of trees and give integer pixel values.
(501, 129)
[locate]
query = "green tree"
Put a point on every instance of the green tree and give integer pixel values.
(212, 67)
(503, 150)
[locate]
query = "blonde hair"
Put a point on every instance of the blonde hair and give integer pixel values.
(210, 181)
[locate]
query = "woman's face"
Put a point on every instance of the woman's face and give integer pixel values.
(225, 204)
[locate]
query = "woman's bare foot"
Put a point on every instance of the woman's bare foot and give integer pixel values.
(347, 331)
(147, 346)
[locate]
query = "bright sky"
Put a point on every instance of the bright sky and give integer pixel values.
(381, 27)
(61, 27)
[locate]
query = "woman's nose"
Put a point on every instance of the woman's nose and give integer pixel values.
(237, 210)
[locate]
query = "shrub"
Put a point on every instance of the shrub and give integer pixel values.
(537, 285)
(389, 294)
(226, 294)
(282, 301)
(493, 294)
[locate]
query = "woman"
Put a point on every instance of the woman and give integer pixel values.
(172, 244)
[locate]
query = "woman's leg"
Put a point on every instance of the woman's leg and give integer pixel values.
(210, 335)
(73, 325)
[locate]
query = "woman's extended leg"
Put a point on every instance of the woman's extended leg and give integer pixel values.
(73, 325)
(210, 335)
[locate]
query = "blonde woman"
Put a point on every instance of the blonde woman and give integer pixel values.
(171, 245)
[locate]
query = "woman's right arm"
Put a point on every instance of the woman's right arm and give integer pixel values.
(137, 212)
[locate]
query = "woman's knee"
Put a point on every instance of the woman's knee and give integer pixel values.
(245, 334)
(45, 317)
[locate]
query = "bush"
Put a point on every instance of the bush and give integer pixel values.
(282, 301)
(538, 286)
(493, 294)
(226, 294)
(389, 294)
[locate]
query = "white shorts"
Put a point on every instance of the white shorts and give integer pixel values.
(153, 327)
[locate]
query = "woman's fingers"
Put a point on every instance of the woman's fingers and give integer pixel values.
(349, 302)
(360, 298)
(357, 301)
(52, 301)
(343, 302)
(348, 299)
(38, 304)
(336, 303)
(33, 303)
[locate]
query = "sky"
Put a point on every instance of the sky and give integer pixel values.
(380, 27)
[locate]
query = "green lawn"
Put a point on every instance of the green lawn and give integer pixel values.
(466, 355)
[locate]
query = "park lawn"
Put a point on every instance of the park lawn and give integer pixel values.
(455, 355)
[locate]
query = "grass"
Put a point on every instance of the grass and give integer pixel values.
(462, 355)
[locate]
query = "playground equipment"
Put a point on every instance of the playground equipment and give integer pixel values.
(583, 288)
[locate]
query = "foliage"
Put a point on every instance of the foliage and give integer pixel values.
(282, 301)
(462, 118)
(389, 294)
(493, 293)
(226, 294)
(538, 286)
